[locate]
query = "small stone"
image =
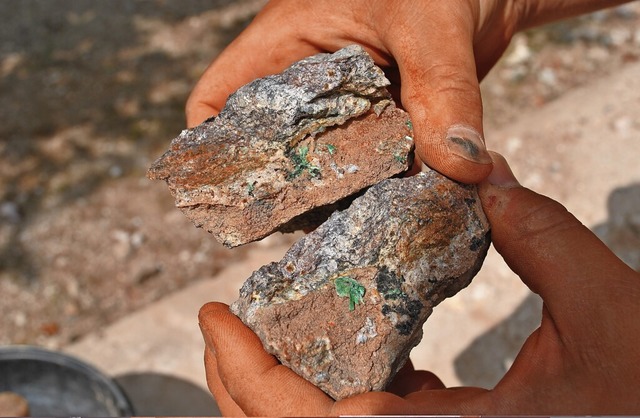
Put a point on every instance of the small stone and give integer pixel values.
(636, 37)
(623, 126)
(520, 53)
(116, 171)
(13, 405)
(548, 76)
(287, 149)
(346, 304)
(11, 212)
(619, 36)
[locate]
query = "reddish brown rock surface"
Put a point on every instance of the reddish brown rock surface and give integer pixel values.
(346, 304)
(286, 149)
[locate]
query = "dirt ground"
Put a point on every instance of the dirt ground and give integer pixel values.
(92, 92)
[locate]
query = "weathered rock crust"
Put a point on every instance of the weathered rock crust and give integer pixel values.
(406, 245)
(286, 144)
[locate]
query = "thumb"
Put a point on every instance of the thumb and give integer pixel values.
(576, 275)
(409, 380)
(255, 381)
(441, 92)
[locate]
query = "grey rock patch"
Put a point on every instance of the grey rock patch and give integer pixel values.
(318, 132)
(346, 304)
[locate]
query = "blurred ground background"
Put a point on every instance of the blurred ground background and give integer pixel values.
(91, 92)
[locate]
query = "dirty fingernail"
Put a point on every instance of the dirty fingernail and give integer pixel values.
(468, 144)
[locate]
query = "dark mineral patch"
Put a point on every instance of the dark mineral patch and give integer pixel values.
(308, 137)
(346, 304)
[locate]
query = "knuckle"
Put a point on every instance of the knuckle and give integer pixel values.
(446, 77)
(444, 80)
(542, 221)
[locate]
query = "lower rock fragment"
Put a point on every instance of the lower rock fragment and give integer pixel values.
(346, 304)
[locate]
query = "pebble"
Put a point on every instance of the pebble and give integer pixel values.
(19, 319)
(625, 11)
(115, 171)
(548, 76)
(521, 52)
(623, 126)
(598, 53)
(619, 36)
(515, 74)
(11, 212)
(514, 144)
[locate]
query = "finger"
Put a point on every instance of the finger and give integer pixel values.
(440, 88)
(255, 380)
(409, 380)
(457, 401)
(226, 405)
(267, 46)
(578, 277)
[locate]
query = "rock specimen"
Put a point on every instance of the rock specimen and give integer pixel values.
(287, 147)
(346, 304)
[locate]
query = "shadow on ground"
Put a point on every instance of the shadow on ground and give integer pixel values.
(154, 394)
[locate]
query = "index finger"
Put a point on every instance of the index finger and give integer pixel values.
(254, 379)
(255, 53)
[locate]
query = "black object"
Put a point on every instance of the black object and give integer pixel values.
(57, 384)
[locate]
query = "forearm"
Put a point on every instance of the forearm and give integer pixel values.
(537, 12)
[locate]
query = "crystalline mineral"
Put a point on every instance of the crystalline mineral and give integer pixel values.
(347, 303)
(287, 149)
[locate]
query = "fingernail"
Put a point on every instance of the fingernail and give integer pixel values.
(468, 144)
(501, 175)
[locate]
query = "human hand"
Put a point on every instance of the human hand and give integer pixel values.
(434, 53)
(584, 358)
(427, 44)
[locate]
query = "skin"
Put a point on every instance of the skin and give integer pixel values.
(434, 53)
(585, 357)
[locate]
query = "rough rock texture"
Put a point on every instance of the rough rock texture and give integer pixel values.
(286, 144)
(347, 303)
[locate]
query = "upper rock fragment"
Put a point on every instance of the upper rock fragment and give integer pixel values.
(287, 147)
(346, 304)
